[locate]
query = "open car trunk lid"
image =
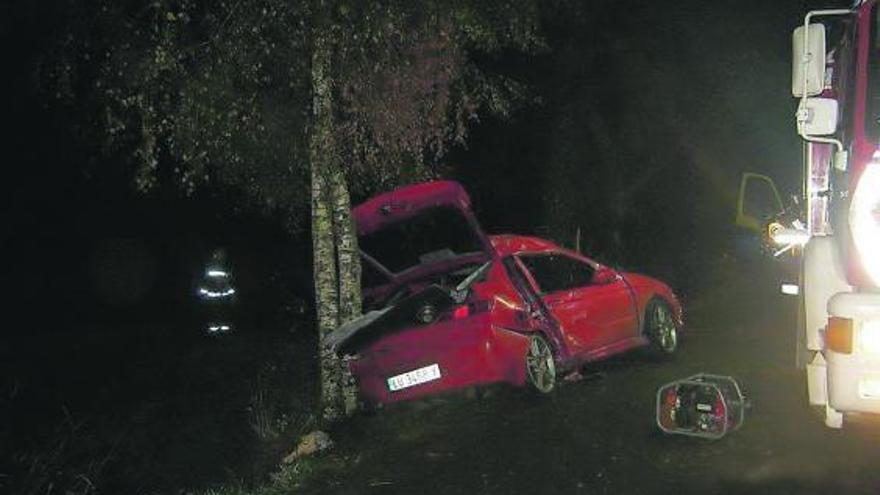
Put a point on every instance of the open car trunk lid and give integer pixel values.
(417, 227)
(411, 235)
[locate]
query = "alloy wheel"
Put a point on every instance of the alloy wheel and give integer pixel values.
(664, 329)
(540, 365)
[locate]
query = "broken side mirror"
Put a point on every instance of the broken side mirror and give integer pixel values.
(703, 405)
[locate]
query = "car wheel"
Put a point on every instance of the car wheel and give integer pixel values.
(540, 366)
(660, 328)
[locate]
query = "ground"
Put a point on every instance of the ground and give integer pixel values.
(598, 435)
(184, 415)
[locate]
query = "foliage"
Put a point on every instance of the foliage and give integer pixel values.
(296, 103)
(190, 92)
(410, 85)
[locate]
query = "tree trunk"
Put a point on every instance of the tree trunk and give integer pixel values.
(348, 256)
(326, 296)
(348, 263)
(336, 258)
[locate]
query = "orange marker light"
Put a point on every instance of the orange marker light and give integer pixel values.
(839, 335)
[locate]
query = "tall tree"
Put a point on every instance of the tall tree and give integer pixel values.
(297, 103)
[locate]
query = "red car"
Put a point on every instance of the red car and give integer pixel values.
(448, 306)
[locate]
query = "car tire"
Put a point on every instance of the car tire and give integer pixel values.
(660, 328)
(541, 368)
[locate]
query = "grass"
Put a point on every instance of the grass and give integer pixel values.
(147, 409)
(60, 468)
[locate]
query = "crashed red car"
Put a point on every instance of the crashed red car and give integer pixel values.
(448, 306)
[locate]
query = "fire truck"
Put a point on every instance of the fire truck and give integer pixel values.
(836, 77)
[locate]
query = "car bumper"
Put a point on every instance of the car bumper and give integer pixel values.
(484, 355)
(854, 379)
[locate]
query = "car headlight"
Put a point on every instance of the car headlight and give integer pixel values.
(788, 237)
(864, 219)
(869, 337)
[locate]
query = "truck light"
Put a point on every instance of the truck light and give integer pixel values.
(790, 289)
(839, 335)
(784, 236)
(869, 337)
(864, 219)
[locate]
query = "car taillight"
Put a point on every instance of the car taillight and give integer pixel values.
(839, 335)
(864, 219)
(469, 309)
(460, 312)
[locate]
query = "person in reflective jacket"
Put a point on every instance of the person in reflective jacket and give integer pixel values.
(217, 294)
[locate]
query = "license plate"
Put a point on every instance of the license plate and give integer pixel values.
(414, 377)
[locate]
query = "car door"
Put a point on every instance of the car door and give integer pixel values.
(591, 315)
(758, 200)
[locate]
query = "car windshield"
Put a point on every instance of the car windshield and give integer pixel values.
(434, 235)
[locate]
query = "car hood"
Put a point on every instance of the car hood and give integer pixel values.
(384, 221)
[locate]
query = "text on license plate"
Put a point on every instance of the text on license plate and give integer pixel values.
(414, 377)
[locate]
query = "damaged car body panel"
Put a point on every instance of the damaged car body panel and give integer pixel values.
(411, 234)
(449, 307)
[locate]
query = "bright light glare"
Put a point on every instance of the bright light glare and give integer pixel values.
(869, 389)
(506, 302)
(869, 337)
(785, 237)
(217, 273)
(790, 289)
(864, 220)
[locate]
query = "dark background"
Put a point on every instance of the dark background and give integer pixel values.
(650, 112)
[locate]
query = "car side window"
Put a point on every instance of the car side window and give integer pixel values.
(556, 272)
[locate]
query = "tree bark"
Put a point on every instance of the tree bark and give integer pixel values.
(326, 296)
(348, 256)
(336, 259)
(349, 266)
(321, 158)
